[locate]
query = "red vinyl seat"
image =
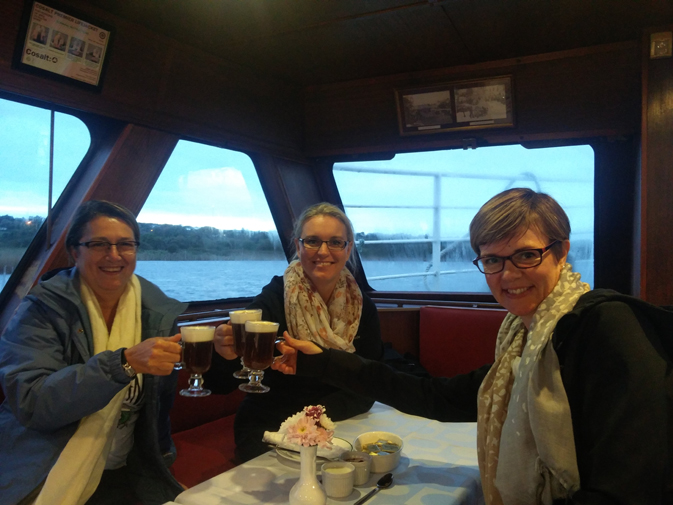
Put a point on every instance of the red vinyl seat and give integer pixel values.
(456, 340)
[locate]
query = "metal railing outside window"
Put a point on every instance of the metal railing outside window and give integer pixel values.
(449, 253)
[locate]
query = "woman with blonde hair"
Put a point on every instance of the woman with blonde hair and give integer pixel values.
(316, 300)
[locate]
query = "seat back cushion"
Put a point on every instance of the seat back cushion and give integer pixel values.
(456, 340)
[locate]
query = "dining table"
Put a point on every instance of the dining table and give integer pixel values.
(438, 465)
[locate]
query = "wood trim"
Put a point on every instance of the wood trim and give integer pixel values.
(568, 95)
(477, 67)
(406, 303)
(400, 327)
(656, 205)
(642, 218)
(485, 139)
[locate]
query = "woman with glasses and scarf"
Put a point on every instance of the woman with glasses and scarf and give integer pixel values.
(316, 300)
(574, 408)
(86, 365)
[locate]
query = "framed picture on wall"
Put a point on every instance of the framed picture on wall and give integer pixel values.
(62, 44)
(462, 105)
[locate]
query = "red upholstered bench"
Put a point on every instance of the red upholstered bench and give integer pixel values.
(455, 340)
(203, 433)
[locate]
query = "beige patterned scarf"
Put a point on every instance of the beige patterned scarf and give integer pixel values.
(309, 318)
(76, 474)
(525, 439)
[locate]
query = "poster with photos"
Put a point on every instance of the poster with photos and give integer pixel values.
(484, 103)
(63, 44)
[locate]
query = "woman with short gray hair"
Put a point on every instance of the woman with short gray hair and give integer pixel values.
(576, 407)
(86, 365)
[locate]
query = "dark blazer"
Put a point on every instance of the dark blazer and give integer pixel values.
(290, 394)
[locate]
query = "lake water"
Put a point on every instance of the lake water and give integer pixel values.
(209, 280)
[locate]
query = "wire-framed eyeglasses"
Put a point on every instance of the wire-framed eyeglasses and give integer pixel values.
(527, 258)
(126, 247)
(314, 243)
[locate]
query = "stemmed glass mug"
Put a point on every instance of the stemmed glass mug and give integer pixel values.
(180, 364)
(197, 354)
(260, 340)
(238, 319)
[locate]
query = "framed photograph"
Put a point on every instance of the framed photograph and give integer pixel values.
(61, 44)
(463, 105)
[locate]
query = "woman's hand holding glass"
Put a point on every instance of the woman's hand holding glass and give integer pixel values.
(224, 341)
(288, 348)
(156, 356)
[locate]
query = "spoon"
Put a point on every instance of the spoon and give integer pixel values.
(384, 483)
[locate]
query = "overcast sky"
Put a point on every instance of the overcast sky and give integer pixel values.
(208, 186)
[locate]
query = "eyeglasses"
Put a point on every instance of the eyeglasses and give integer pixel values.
(314, 243)
(127, 247)
(528, 258)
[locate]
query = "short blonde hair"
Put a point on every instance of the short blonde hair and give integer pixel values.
(513, 212)
(324, 209)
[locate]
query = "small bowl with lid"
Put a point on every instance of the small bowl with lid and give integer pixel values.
(384, 447)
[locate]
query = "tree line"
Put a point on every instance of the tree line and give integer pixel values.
(177, 242)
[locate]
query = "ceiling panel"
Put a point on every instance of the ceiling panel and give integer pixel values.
(309, 42)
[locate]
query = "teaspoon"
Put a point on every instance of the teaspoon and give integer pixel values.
(384, 483)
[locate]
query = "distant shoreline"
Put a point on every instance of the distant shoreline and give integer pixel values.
(205, 256)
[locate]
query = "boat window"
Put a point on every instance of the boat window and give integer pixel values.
(206, 230)
(24, 172)
(412, 214)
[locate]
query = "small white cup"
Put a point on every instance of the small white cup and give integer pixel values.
(337, 478)
(362, 463)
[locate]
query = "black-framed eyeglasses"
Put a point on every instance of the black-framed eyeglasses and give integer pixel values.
(314, 243)
(528, 258)
(103, 246)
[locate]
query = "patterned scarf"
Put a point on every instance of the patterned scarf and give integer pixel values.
(308, 316)
(525, 439)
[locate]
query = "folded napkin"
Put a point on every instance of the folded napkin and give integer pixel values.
(278, 439)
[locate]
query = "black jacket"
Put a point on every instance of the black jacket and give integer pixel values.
(615, 355)
(290, 394)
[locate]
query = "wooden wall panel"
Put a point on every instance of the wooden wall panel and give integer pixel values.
(580, 93)
(155, 81)
(400, 328)
(656, 254)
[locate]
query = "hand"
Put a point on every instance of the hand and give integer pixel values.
(224, 341)
(155, 356)
(288, 362)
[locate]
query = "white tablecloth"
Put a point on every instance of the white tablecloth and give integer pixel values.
(438, 466)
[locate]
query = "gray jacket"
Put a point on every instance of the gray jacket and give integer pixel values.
(52, 379)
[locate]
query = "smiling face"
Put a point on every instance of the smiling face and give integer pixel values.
(323, 266)
(521, 291)
(106, 273)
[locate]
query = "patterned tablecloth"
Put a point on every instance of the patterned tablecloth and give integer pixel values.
(438, 466)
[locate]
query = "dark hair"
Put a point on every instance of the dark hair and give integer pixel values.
(516, 210)
(92, 209)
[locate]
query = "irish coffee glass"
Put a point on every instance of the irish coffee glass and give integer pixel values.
(260, 340)
(197, 353)
(238, 318)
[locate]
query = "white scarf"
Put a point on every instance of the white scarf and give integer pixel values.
(525, 438)
(77, 472)
(310, 318)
